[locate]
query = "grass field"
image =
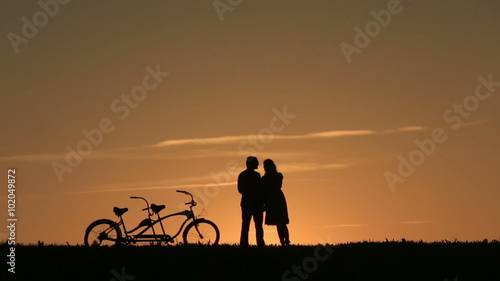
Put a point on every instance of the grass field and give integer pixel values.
(353, 261)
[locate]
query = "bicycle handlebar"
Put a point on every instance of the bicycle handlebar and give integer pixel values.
(147, 203)
(192, 202)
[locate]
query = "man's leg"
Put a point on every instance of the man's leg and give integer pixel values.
(258, 218)
(246, 216)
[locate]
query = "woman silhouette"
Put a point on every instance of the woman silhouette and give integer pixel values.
(276, 210)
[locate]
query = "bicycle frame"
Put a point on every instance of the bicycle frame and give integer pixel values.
(149, 223)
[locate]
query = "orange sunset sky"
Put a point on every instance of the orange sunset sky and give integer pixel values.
(388, 133)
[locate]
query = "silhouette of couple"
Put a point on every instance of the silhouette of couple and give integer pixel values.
(259, 195)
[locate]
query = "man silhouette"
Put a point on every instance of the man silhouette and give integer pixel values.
(252, 201)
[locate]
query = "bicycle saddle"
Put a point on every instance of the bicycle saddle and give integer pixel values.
(119, 211)
(157, 208)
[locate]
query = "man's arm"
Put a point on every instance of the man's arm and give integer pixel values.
(241, 184)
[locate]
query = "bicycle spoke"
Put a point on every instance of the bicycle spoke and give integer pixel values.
(101, 233)
(203, 232)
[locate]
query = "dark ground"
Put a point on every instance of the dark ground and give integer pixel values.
(354, 261)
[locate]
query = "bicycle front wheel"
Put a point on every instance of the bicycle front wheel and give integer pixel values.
(201, 231)
(102, 233)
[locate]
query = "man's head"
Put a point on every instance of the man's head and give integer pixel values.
(252, 162)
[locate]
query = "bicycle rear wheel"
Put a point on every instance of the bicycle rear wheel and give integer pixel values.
(201, 231)
(102, 232)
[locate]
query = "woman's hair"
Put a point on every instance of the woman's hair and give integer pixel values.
(270, 167)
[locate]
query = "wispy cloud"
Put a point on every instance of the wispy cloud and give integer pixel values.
(303, 167)
(403, 129)
(201, 181)
(241, 138)
(151, 151)
(342, 225)
(34, 157)
(332, 134)
(416, 222)
(411, 128)
(474, 123)
(212, 140)
(142, 188)
(232, 139)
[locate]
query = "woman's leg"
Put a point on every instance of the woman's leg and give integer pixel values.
(286, 234)
(280, 233)
(283, 234)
